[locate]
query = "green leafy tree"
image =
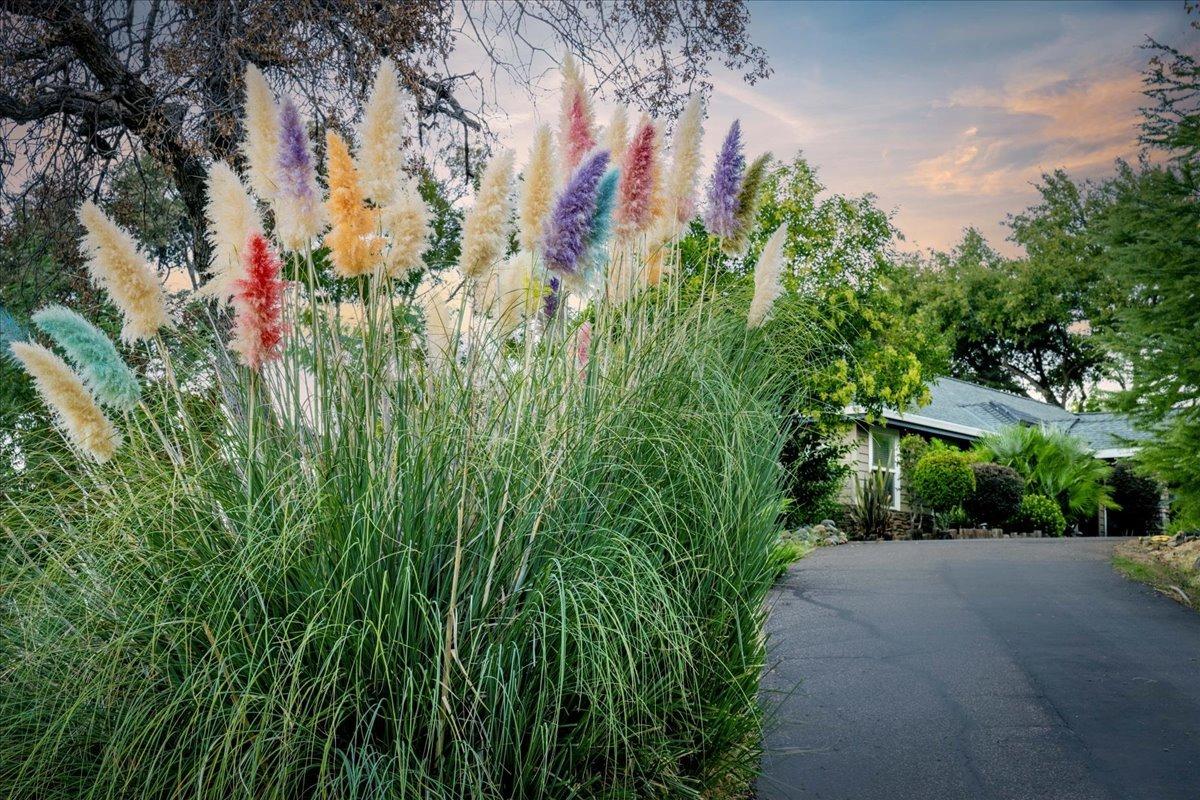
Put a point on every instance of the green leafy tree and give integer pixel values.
(1150, 238)
(1027, 324)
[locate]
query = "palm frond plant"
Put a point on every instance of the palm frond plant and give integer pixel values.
(527, 558)
(1054, 464)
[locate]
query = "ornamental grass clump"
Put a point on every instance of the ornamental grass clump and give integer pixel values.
(451, 550)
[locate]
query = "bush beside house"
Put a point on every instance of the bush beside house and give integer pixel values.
(997, 495)
(1039, 513)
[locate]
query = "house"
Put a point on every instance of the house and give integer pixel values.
(959, 412)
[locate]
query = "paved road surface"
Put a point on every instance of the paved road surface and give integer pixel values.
(979, 669)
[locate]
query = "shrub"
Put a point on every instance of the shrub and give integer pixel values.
(997, 495)
(1040, 513)
(1137, 497)
(1054, 464)
(942, 479)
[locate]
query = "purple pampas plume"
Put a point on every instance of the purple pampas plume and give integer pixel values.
(720, 216)
(299, 214)
(569, 225)
(552, 299)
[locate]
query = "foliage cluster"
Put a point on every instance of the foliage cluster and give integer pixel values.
(997, 495)
(1040, 513)
(942, 479)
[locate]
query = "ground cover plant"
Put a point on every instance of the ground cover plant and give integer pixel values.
(502, 530)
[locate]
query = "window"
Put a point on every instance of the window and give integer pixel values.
(883, 455)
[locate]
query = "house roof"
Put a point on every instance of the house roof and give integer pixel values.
(968, 410)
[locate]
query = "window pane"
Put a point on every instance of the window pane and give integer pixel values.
(881, 448)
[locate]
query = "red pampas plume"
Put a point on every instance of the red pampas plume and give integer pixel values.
(258, 327)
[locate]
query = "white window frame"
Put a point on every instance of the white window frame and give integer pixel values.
(894, 468)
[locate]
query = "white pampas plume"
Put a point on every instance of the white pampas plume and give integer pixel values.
(405, 221)
(75, 412)
(262, 134)
(685, 161)
(381, 136)
(512, 293)
(115, 264)
(445, 318)
(488, 223)
(616, 136)
(766, 278)
(537, 190)
(232, 217)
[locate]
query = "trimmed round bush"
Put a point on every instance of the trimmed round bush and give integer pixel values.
(1040, 513)
(997, 496)
(942, 479)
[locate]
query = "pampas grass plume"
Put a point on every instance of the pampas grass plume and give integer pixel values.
(766, 278)
(258, 326)
(64, 393)
(685, 161)
(353, 247)
(104, 372)
(616, 137)
(232, 216)
(537, 190)
(381, 135)
(114, 263)
(486, 228)
(575, 134)
(262, 134)
(405, 220)
(445, 320)
(299, 215)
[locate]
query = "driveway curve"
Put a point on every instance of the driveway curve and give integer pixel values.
(1005, 669)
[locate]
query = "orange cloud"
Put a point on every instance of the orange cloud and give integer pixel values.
(1049, 122)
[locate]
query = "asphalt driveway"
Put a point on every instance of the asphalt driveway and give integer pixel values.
(979, 669)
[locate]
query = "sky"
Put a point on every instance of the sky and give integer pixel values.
(947, 112)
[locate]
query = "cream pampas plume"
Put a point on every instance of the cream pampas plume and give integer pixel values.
(74, 409)
(537, 190)
(262, 134)
(685, 161)
(766, 278)
(616, 136)
(445, 320)
(114, 263)
(232, 217)
(514, 293)
(353, 247)
(405, 220)
(486, 228)
(575, 136)
(381, 136)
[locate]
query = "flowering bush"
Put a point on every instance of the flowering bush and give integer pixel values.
(325, 563)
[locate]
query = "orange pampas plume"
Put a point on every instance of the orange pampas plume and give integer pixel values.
(353, 247)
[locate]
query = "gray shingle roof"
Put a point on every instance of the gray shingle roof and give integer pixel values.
(969, 404)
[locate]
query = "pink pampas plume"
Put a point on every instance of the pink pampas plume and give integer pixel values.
(258, 327)
(576, 128)
(639, 179)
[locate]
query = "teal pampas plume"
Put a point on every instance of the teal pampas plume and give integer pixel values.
(94, 355)
(606, 199)
(10, 331)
